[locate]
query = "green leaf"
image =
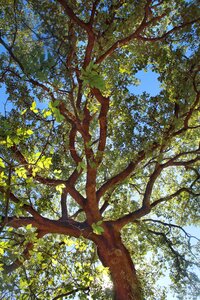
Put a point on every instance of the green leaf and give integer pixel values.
(97, 229)
(23, 111)
(9, 142)
(29, 226)
(33, 107)
(91, 76)
(2, 165)
(60, 187)
(29, 131)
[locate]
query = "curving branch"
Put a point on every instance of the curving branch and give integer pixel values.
(49, 181)
(166, 34)
(170, 225)
(69, 11)
(179, 258)
(150, 185)
(172, 196)
(106, 199)
(68, 227)
(120, 176)
(25, 255)
(26, 207)
(137, 34)
(64, 211)
(71, 293)
(147, 205)
(72, 148)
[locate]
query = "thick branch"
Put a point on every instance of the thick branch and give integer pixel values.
(73, 16)
(120, 176)
(73, 151)
(150, 184)
(121, 222)
(72, 179)
(67, 227)
(102, 122)
(134, 35)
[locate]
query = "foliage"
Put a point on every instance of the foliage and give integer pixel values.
(85, 160)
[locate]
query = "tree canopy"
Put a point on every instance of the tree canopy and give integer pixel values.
(98, 183)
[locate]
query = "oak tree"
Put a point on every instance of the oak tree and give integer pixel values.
(97, 182)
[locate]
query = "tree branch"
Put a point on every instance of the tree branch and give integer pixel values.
(120, 176)
(26, 207)
(73, 16)
(147, 206)
(132, 36)
(26, 255)
(171, 225)
(150, 184)
(104, 101)
(71, 293)
(174, 29)
(49, 181)
(169, 197)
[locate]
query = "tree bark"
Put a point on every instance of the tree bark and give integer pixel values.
(116, 257)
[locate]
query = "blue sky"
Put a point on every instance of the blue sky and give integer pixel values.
(148, 83)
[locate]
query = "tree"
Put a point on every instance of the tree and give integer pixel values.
(90, 172)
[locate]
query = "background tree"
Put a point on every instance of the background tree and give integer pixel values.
(90, 171)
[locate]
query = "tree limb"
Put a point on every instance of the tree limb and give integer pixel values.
(120, 176)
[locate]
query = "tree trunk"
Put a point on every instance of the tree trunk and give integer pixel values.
(116, 257)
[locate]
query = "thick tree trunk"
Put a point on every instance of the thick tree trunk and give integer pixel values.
(116, 257)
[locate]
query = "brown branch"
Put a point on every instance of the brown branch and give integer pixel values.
(169, 197)
(49, 181)
(63, 201)
(150, 185)
(73, 151)
(17, 222)
(94, 10)
(25, 255)
(172, 162)
(146, 206)
(137, 33)
(71, 293)
(66, 227)
(171, 225)
(132, 36)
(120, 176)
(26, 207)
(86, 26)
(106, 200)
(188, 117)
(64, 211)
(7, 196)
(73, 16)
(104, 101)
(89, 48)
(166, 34)
(131, 217)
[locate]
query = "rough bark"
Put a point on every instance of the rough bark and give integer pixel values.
(116, 257)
